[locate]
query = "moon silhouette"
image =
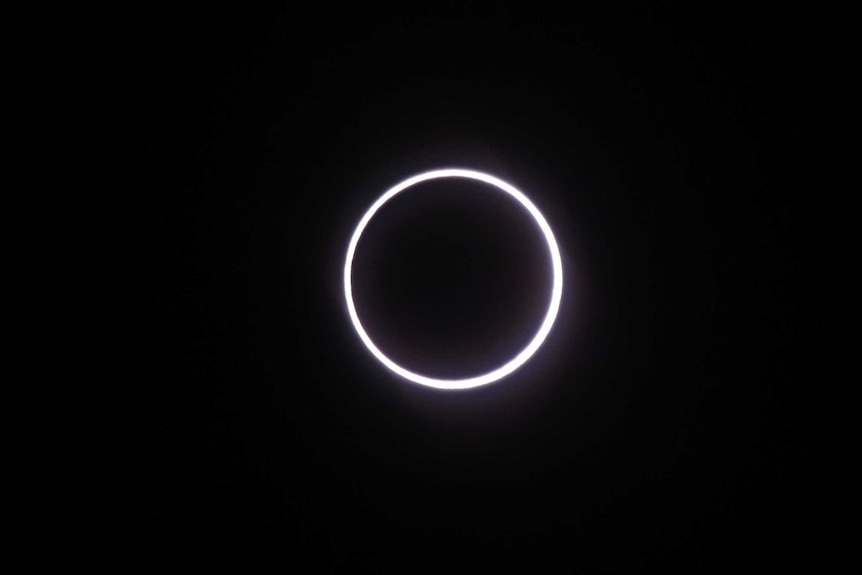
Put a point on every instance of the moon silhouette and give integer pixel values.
(554, 297)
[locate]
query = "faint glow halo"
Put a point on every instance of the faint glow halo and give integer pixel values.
(550, 315)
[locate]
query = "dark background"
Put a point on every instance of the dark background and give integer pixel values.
(667, 422)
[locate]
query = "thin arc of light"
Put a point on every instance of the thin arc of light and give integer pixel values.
(524, 354)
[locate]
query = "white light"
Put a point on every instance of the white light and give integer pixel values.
(541, 334)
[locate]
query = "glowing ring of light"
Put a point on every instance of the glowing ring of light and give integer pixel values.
(541, 334)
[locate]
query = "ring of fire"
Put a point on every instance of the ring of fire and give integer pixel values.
(555, 295)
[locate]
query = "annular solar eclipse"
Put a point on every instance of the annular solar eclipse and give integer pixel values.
(554, 297)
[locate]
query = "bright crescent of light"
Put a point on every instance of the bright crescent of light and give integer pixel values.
(541, 334)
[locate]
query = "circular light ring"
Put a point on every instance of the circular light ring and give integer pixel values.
(553, 306)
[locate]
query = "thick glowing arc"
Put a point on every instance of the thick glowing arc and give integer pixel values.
(550, 315)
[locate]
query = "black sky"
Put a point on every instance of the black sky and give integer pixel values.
(663, 424)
